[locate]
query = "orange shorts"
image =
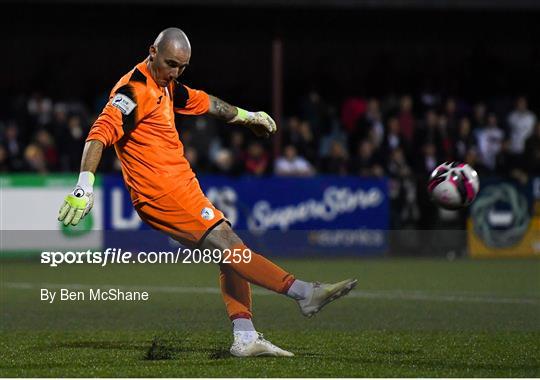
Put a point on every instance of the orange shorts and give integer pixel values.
(185, 214)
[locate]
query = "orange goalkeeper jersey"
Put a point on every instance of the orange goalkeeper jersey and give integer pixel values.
(139, 121)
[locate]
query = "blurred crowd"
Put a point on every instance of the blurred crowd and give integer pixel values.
(401, 137)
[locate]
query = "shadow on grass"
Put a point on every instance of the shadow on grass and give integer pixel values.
(158, 349)
(220, 354)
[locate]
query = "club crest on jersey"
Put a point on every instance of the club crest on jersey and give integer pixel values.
(123, 103)
(207, 213)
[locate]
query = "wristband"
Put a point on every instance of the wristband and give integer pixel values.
(86, 180)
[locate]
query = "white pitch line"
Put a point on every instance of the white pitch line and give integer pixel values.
(373, 294)
(419, 296)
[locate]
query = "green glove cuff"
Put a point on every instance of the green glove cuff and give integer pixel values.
(242, 116)
(242, 113)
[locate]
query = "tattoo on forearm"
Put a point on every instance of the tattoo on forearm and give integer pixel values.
(221, 109)
(93, 150)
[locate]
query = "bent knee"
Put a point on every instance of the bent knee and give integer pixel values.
(221, 237)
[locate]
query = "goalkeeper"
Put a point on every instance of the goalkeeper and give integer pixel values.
(138, 121)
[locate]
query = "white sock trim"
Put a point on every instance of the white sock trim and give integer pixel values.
(300, 290)
(243, 324)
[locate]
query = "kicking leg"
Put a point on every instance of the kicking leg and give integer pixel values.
(311, 297)
(258, 270)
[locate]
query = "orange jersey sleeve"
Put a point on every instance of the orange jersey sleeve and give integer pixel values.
(125, 108)
(188, 101)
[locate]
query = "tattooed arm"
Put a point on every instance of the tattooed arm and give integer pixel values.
(259, 122)
(221, 109)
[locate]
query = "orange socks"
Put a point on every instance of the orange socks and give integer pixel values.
(261, 271)
(236, 293)
(234, 279)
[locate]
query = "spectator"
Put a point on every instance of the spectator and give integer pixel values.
(203, 133)
(406, 118)
(365, 162)
(336, 134)
(256, 160)
(429, 134)
(479, 115)
(532, 151)
(427, 163)
(351, 112)
(463, 140)
(451, 115)
(237, 144)
(471, 158)
(370, 125)
(445, 139)
(429, 99)
(292, 165)
(397, 166)
(224, 163)
(489, 140)
(307, 144)
(401, 189)
(34, 159)
(314, 111)
(291, 131)
(521, 123)
(428, 160)
(375, 121)
(39, 109)
(393, 138)
(4, 164)
(72, 144)
(337, 160)
(58, 124)
(14, 147)
(44, 140)
(299, 133)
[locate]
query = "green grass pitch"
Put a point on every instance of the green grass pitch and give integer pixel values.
(406, 318)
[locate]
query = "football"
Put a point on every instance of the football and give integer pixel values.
(453, 185)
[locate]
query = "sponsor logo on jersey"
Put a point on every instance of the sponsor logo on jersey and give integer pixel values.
(123, 103)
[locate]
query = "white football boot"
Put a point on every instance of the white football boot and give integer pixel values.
(255, 347)
(323, 294)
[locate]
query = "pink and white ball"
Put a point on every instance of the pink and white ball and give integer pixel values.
(453, 185)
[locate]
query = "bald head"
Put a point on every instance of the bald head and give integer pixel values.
(169, 56)
(172, 38)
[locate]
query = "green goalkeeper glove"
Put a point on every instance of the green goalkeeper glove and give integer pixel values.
(79, 202)
(259, 122)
